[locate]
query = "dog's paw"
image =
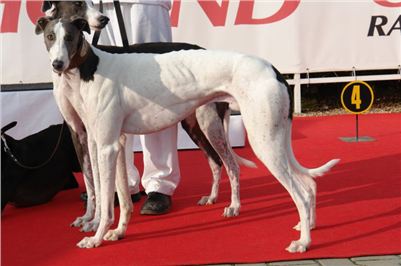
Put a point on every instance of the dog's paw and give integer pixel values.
(297, 246)
(114, 235)
(231, 211)
(207, 200)
(80, 221)
(77, 223)
(298, 226)
(89, 242)
(90, 226)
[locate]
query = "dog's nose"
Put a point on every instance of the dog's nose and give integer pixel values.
(103, 21)
(58, 65)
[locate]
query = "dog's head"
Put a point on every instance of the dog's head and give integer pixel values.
(64, 40)
(76, 9)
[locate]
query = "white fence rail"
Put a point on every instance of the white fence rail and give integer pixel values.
(297, 81)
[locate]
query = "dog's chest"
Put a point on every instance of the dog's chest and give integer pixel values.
(68, 93)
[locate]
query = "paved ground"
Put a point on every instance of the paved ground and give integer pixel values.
(390, 260)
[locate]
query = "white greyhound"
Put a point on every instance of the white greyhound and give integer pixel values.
(144, 93)
(205, 127)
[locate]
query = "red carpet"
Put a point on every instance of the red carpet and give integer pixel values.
(358, 209)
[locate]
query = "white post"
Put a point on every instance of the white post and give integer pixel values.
(297, 93)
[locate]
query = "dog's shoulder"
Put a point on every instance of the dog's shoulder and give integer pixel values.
(88, 68)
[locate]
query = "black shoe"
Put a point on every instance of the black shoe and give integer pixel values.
(134, 197)
(156, 204)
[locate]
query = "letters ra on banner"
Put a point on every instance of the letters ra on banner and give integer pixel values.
(357, 97)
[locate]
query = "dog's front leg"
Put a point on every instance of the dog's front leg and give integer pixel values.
(107, 151)
(123, 196)
(80, 141)
(93, 188)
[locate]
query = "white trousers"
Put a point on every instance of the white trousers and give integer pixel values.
(147, 23)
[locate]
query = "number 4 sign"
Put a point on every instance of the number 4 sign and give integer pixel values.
(357, 97)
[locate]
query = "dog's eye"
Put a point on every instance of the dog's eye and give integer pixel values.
(79, 3)
(50, 37)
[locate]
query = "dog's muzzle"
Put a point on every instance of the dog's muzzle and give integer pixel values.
(58, 65)
(103, 20)
(99, 23)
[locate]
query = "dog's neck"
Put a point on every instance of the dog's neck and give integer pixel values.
(85, 60)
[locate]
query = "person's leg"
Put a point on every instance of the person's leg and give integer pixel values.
(151, 23)
(161, 170)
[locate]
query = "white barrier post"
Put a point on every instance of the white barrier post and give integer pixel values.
(297, 93)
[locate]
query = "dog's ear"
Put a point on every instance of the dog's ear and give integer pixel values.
(81, 24)
(41, 24)
(46, 5)
(8, 127)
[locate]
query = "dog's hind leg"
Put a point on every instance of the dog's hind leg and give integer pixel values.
(269, 149)
(307, 177)
(267, 134)
(191, 126)
(216, 174)
(212, 126)
(310, 184)
(307, 181)
(123, 196)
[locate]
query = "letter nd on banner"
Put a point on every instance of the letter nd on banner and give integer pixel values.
(294, 35)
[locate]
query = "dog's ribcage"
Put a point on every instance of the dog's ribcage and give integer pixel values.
(156, 91)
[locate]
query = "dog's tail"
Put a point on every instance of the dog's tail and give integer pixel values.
(309, 172)
(240, 160)
(244, 162)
